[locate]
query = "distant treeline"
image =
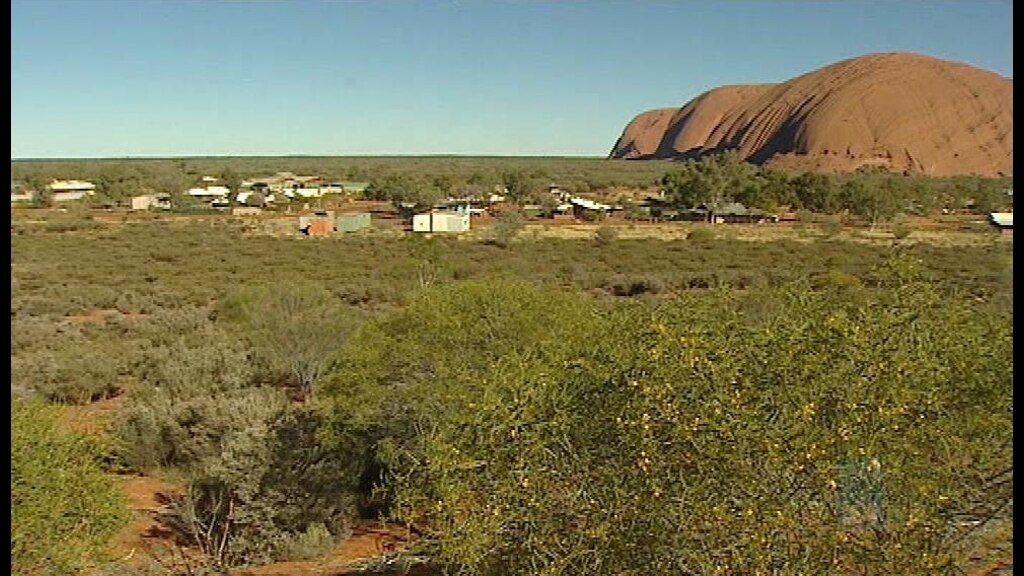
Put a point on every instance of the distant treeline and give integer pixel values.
(714, 180)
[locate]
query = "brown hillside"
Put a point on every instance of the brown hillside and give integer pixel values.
(904, 112)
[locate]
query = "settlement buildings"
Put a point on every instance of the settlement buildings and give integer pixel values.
(66, 190)
(152, 201)
(21, 193)
(324, 222)
(293, 186)
(57, 191)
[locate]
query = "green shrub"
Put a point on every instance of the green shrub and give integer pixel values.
(68, 368)
(901, 231)
(269, 479)
(314, 543)
(255, 469)
(599, 448)
(296, 329)
(605, 235)
(700, 235)
(505, 230)
(621, 285)
(64, 509)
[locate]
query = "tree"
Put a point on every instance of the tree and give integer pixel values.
(816, 192)
(230, 179)
(873, 202)
(683, 187)
(959, 192)
(402, 190)
(775, 187)
(520, 185)
(547, 201)
(444, 184)
(989, 196)
(256, 199)
(711, 182)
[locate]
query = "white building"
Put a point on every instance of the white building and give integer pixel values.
(148, 201)
(22, 196)
(209, 192)
(66, 190)
(440, 222)
(1001, 219)
(19, 193)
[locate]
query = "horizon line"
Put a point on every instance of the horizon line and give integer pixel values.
(255, 156)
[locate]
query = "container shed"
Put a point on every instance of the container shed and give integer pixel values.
(440, 222)
(352, 222)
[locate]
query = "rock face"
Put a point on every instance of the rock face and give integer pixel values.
(899, 111)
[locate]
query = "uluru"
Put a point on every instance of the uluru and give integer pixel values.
(899, 111)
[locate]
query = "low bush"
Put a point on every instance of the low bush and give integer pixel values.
(315, 542)
(605, 235)
(505, 230)
(269, 490)
(835, 279)
(621, 285)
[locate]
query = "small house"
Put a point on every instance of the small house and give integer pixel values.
(67, 190)
(151, 201)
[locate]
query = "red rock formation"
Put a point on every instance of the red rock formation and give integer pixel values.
(904, 112)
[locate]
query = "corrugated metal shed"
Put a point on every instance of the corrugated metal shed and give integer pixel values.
(352, 222)
(305, 221)
(320, 228)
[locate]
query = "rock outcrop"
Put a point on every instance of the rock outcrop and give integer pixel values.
(900, 111)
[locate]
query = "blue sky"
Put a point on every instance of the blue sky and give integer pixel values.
(93, 78)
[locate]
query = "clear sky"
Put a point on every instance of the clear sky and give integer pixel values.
(92, 78)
